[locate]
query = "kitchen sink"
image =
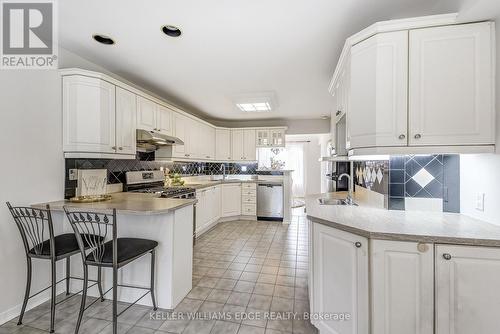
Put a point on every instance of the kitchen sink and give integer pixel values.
(335, 201)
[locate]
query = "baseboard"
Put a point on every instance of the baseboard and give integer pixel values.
(14, 312)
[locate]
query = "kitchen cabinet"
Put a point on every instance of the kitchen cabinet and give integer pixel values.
(340, 280)
(378, 87)
(207, 142)
(152, 116)
(467, 289)
(249, 199)
(272, 137)
(451, 85)
(402, 285)
(277, 137)
(231, 200)
(208, 208)
(88, 115)
(243, 145)
(198, 138)
(263, 139)
(126, 113)
(223, 145)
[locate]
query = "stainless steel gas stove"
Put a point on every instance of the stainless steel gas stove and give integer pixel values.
(151, 182)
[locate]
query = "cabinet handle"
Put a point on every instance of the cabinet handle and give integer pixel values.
(208, 157)
(402, 136)
(447, 256)
(418, 136)
(120, 148)
(187, 155)
(358, 244)
(113, 147)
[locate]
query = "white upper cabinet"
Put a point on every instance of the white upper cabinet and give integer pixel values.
(243, 145)
(272, 137)
(223, 144)
(152, 116)
(340, 280)
(207, 142)
(402, 278)
(378, 88)
(277, 137)
(263, 139)
(126, 108)
(88, 115)
(467, 289)
(180, 131)
(451, 85)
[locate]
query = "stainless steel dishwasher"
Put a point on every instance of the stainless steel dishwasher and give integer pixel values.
(269, 201)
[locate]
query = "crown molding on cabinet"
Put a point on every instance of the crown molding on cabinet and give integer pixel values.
(386, 26)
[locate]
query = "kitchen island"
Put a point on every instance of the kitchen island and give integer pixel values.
(402, 271)
(167, 221)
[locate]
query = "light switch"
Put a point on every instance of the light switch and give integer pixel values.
(480, 201)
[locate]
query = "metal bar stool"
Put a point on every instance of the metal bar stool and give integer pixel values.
(37, 233)
(114, 254)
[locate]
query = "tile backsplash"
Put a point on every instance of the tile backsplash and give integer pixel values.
(117, 168)
(413, 176)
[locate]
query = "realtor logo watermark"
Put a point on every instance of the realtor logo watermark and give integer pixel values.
(28, 34)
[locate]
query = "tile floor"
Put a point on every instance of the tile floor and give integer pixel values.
(248, 277)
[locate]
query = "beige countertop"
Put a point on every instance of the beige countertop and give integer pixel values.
(126, 203)
(430, 227)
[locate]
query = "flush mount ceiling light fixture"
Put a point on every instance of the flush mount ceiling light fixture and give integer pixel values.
(171, 30)
(255, 102)
(103, 39)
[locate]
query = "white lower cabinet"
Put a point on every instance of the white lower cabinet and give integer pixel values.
(340, 280)
(208, 208)
(402, 281)
(467, 290)
(231, 200)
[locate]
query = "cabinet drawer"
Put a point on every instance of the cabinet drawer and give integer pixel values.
(249, 192)
(249, 209)
(249, 199)
(249, 186)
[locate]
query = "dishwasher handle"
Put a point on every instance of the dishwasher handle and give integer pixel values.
(269, 185)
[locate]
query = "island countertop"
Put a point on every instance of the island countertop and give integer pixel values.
(126, 203)
(418, 226)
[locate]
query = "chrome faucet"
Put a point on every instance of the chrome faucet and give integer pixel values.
(349, 200)
(223, 167)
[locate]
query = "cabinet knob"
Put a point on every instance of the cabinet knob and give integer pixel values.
(187, 155)
(418, 136)
(402, 136)
(113, 147)
(358, 244)
(447, 256)
(120, 148)
(422, 248)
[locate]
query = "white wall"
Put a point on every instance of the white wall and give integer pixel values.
(481, 173)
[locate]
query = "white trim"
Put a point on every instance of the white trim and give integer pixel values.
(401, 150)
(94, 155)
(387, 26)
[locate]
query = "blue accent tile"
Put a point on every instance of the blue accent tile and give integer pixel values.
(397, 162)
(396, 190)
(396, 176)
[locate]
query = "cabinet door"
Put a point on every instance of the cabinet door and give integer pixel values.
(180, 125)
(467, 290)
(277, 137)
(195, 145)
(237, 147)
(207, 141)
(378, 91)
(88, 115)
(146, 114)
(126, 113)
(217, 202)
(402, 278)
(452, 85)
(201, 210)
(263, 139)
(223, 144)
(164, 120)
(231, 200)
(340, 279)
(249, 149)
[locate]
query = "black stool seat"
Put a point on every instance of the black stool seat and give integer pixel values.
(128, 249)
(64, 244)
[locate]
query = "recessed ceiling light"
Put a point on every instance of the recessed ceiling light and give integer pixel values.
(171, 31)
(103, 39)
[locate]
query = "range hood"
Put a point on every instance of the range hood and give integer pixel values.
(148, 141)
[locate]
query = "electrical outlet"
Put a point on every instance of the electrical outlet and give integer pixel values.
(73, 174)
(480, 201)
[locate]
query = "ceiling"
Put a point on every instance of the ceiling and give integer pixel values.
(230, 48)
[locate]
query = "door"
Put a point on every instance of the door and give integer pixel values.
(467, 290)
(451, 100)
(231, 200)
(126, 113)
(201, 210)
(237, 147)
(164, 120)
(249, 149)
(223, 144)
(146, 114)
(180, 126)
(88, 115)
(263, 139)
(340, 280)
(402, 278)
(378, 91)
